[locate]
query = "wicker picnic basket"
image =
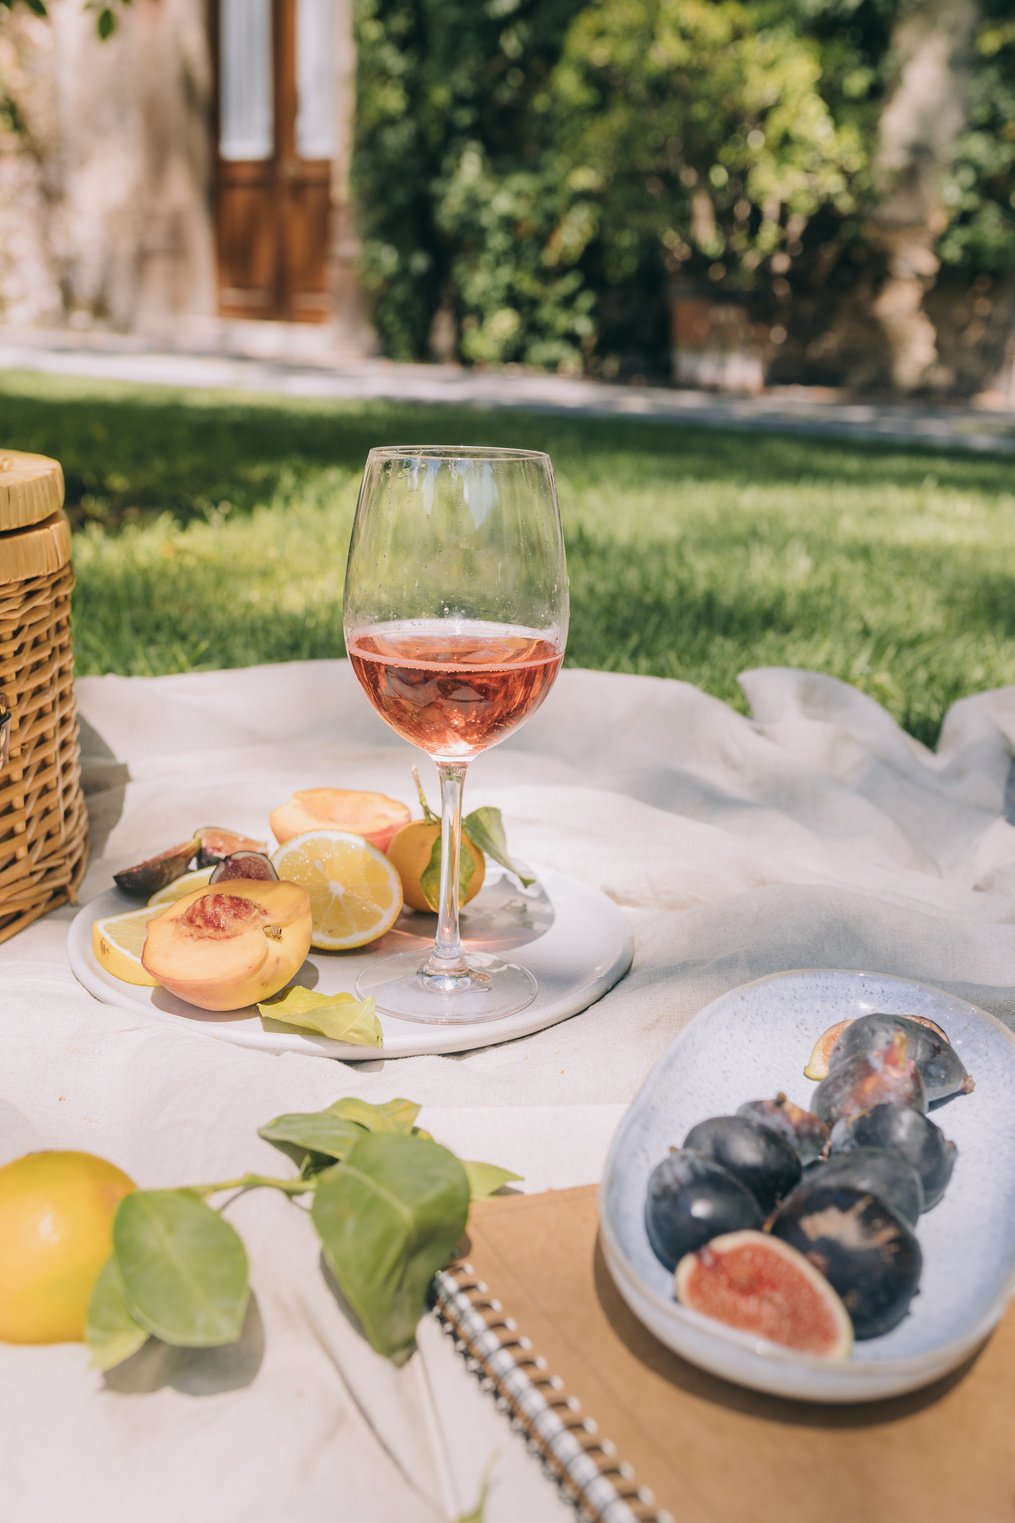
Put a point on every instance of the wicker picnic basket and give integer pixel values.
(43, 823)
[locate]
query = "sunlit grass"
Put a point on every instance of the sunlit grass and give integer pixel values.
(211, 530)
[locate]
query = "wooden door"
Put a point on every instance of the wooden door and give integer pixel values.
(274, 131)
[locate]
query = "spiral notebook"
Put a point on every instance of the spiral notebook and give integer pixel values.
(632, 1433)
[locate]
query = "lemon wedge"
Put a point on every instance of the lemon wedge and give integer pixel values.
(355, 892)
(196, 878)
(117, 941)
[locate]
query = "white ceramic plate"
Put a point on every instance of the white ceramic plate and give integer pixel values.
(575, 940)
(748, 1045)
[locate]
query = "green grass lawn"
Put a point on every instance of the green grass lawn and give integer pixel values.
(211, 530)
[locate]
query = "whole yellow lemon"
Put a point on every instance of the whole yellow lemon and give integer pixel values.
(56, 1232)
(410, 851)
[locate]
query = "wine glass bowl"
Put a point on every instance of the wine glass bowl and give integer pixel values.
(455, 616)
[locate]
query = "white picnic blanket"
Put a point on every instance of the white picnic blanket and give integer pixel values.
(813, 834)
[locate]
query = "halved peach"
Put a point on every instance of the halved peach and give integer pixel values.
(373, 816)
(226, 946)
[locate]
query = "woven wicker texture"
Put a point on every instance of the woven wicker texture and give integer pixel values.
(43, 822)
(31, 488)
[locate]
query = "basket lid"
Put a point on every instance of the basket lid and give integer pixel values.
(38, 551)
(31, 488)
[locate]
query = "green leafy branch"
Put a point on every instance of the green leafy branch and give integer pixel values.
(389, 1205)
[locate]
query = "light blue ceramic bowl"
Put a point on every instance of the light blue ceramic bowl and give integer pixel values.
(752, 1043)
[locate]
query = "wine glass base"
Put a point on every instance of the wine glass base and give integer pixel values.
(494, 990)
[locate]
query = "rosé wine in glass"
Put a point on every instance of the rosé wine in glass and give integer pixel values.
(453, 692)
(456, 609)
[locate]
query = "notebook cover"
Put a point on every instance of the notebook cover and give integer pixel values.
(713, 1452)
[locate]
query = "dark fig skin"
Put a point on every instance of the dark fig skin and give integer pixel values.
(801, 1129)
(245, 864)
(860, 1082)
(941, 1069)
(758, 1156)
(146, 878)
(881, 1171)
(863, 1249)
(905, 1131)
(691, 1200)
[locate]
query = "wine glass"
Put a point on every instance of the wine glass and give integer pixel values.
(456, 610)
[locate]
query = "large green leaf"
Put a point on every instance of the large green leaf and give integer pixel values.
(342, 1017)
(184, 1268)
(390, 1116)
(487, 1178)
(389, 1217)
(312, 1131)
(111, 1332)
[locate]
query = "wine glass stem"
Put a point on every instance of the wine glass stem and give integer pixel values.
(447, 960)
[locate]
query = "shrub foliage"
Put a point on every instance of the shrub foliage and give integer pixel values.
(537, 172)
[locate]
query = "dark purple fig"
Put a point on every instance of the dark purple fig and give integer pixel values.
(690, 1200)
(148, 877)
(867, 1079)
(941, 1069)
(882, 1171)
(758, 1156)
(245, 864)
(907, 1132)
(863, 1249)
(214, 843)
(801, 1129)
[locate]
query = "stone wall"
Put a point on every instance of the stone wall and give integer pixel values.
(105, 192)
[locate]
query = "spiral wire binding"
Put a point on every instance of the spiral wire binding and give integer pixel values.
(585, 1467)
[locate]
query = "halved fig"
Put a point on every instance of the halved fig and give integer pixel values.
(148, 877)
(817, 1063)
(942, 1070)
(867, 1079)
(245, 864)
(761, 1285)
(215, 843)
(821, 1052)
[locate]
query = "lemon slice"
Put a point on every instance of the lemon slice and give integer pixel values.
(355, 892)
(117, 941)
(196, 878)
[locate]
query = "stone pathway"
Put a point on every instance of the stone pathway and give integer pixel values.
(269, 358)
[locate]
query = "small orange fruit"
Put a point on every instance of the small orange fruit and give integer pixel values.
(410, 850)
(56, 1233)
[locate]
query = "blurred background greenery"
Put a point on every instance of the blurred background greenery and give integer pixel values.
(541, 176)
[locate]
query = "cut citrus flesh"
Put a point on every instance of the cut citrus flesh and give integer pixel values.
(374, 816)
(117, 941)
(355, 892)
(196, 878)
